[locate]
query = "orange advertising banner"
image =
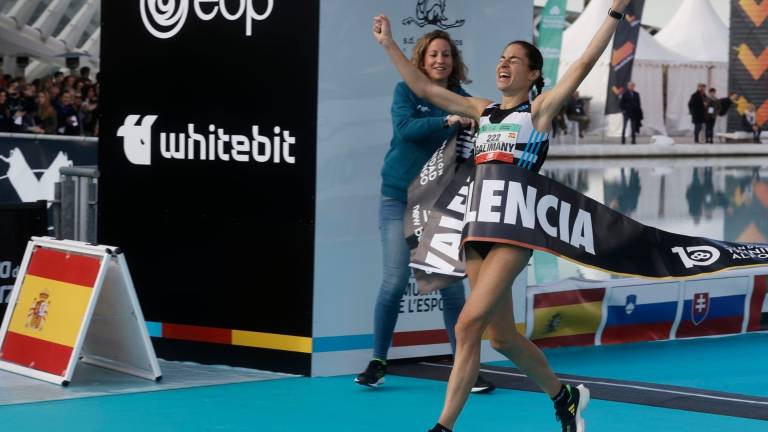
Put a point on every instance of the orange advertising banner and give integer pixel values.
(748, 66)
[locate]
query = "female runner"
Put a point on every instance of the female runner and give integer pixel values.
(492, 267)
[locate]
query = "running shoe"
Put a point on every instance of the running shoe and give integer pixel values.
(568, 411)
(482, 385)
(373, 375)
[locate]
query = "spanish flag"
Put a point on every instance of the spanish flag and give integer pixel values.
(565, 318)
(49, 312)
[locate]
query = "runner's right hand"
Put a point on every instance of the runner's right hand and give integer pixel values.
(381, 29)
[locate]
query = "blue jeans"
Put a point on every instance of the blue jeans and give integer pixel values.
(396, 256)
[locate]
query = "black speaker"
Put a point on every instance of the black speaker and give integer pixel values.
(22, 62)
(73, 62)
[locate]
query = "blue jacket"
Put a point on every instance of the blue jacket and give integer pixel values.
(418, 131)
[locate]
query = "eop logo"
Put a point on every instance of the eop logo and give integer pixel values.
(697, 255)
(165, 18)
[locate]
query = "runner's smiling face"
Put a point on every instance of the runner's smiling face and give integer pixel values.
(512, 72)
(438, 62)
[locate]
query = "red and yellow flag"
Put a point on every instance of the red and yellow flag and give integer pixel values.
(565, 318)
(49, 312)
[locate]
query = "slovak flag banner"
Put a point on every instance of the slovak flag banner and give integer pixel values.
(640, 312)
(713, 307)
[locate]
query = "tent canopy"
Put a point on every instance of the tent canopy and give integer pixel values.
(577, 37)
(697, 32)
(654, 65)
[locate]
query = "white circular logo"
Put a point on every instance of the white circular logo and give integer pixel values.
(697, 255)
(163, 18)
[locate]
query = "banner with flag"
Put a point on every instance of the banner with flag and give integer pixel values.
(551, 38)
(512, 205)
(563, 318)
(50, 308)
(713, 306)
(640, 312)
(748, 61)
(623, 55)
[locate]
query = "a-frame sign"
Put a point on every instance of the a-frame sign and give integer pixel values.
(72, 302)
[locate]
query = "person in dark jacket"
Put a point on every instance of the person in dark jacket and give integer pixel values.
(697, 110)
(712, 107)
(631, 110)
(727, 102)
(6, 121)
(68, 118)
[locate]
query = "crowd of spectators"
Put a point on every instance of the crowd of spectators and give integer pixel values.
(57, 105)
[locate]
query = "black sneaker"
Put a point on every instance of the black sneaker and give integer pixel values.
(373, 375)
(568, 412)
(482, 385)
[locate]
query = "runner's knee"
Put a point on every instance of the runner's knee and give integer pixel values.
(470, 327)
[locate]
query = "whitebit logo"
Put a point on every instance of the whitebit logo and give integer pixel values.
(697, 255)
(137, 139)
(216, 145)
(164, 18)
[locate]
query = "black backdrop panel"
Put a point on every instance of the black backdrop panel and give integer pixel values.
(18, 222)
(213, 242)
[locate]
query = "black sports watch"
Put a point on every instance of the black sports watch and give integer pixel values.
(613, 14)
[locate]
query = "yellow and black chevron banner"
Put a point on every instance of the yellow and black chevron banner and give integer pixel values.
(748, 70)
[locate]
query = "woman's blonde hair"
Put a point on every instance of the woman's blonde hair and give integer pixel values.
(46, 109)
(459, 73)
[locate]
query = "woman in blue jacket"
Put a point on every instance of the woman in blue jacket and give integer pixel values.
(419, 129)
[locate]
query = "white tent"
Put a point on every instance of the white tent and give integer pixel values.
(698, 33)
(651, 60)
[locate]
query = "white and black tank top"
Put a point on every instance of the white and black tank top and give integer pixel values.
(508, 136)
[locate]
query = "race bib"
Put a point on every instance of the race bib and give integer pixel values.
(496, 142)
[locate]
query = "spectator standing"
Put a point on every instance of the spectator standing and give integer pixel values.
(55, 92)
(419, 129)
(68, 118)
(58, 79)
(25, 109)
(725, 105)
(631, 110)
(5, 113)
(697, 110)
(44, 120)
(712, 107)
(89, 110)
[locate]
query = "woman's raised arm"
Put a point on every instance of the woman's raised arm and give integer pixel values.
(421, 85)
(548, 105)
